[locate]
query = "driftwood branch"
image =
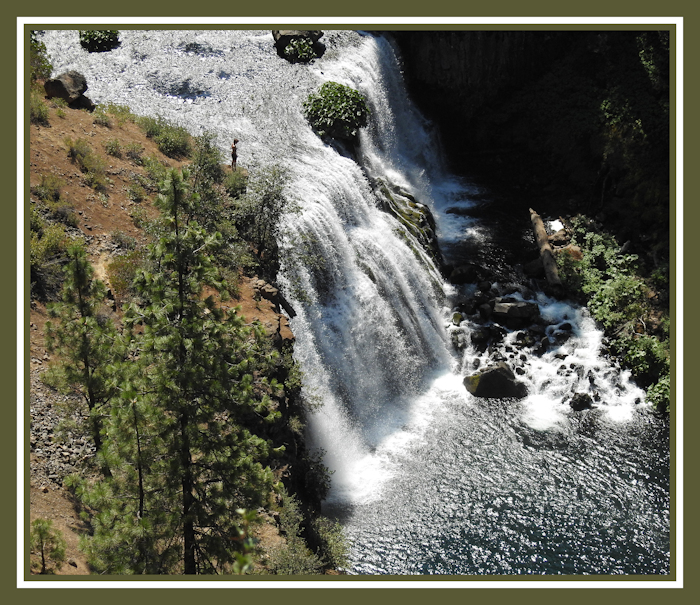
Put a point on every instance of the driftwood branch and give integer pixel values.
(546, 254)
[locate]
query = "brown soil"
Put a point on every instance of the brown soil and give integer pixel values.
(98, 218)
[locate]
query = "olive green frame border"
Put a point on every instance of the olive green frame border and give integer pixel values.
(129, 8)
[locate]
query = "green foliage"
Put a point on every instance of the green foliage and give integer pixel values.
(155, 169)
(135, 192)
(98, 40)
(47, 249)
(167, 506)
(113, 147)
(259, 214)
(173, 141)
(100, 117)
(134, 151)
(294, 556)
(48, 543)
(38, 111)
(336, 111)
(121, 273)
(121, 113)
(236, 183)
(122, 240)
(333, 545)
(83, 340)
(90, 163)
(617, 296)
(49, 188)
(40, 67)
(300, 50)
(206, 163)
(659, 394)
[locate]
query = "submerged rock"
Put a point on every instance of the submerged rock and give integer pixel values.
(581, 401)
(497, 381)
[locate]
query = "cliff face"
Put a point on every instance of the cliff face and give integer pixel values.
(583, 116)
(453, 75)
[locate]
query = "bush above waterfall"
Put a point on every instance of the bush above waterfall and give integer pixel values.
(99, 40)
(336, 111)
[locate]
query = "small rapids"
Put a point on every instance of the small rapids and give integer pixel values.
(427, 479)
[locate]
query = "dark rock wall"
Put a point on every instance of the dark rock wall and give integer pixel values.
(572, 121)
(453, 75)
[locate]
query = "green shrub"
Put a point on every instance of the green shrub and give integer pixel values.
(121, 113)
(122, 240)
(47, 249)
(135, 192)
(610, 284)
(90, 164)
(48, 543)
(134, 151)
(77, 150)
(294, 557)
(139, 216)
(235, 183)
(336, 111)
(155, 169)
(58, 103)
(333, 546)
(300, 50)
(121, 272)
(40, 67)
(49, 188)
(38, 111)
(659, 394)
(98, 40)
(100, 117)
(113, 147)
(173, 141)
(207, 159)
(63, 212)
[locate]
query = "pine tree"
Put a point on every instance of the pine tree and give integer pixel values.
(187, 442)
(49, 543)
(84, 341)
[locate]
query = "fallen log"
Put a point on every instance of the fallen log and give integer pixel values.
(546, 254)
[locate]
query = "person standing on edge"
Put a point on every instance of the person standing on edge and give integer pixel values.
(234, 155)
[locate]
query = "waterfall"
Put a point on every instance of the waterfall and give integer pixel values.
(427, 480)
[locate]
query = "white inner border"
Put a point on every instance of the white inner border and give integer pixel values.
(22, 302)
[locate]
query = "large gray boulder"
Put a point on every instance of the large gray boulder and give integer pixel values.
(514, 313)
(497, 381)
(70, 87)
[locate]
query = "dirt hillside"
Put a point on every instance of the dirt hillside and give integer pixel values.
(100, 216)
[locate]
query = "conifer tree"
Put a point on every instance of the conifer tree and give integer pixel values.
(49, 543)
(187, 441)
(84, 341)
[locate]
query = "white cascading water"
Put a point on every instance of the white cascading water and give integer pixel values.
(427, 479)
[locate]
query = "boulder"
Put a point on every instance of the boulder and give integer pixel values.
(581, 401)
(514, 313)
(468, 274)
(70, 87)
(497, 381)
